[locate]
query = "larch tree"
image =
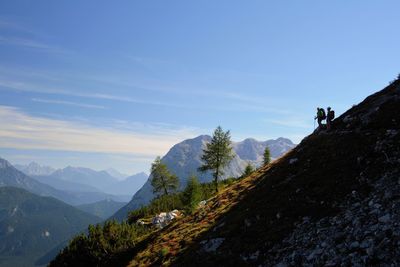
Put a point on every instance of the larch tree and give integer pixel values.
(217, 154)
(163, 181)
(267, 156)
(248, 170)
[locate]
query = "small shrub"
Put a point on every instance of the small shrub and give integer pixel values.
(192, 194)
(164, 252)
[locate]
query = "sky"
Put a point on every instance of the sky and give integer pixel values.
(105, 84)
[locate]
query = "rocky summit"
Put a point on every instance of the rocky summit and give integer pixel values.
(334, 200)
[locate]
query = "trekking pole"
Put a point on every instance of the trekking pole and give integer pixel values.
(314, 124)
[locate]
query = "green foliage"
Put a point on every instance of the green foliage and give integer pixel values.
(248, 170)
(267, 156)
(192, 194)
(217, 154)
(163, 181)
(160, 204)
(164, 252)
(99, 244)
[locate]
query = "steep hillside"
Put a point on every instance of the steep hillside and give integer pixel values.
(333, 200)
(102, 209)
(31, 226)
(184, 159)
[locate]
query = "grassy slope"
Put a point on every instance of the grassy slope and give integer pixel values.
(261, 210)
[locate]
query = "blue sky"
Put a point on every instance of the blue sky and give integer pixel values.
(114, 83)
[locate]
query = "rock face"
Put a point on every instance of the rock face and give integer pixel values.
(184, 159)
(334, 200)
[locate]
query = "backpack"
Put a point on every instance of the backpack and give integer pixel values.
(322, 114)
(331, 114)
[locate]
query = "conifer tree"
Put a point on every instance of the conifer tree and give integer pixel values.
(217, 154)
(267, 156)
(248, 170)
(192, 193)
(162, 181)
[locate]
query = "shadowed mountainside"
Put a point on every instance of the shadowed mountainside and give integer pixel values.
(334, 199)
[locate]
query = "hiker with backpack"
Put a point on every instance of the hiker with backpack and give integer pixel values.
(329, 118)
(321, 115)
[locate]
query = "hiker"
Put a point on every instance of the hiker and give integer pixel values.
(329, 118)
(321, 115)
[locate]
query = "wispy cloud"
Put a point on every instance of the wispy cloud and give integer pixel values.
(23, 131)
(68, 103)
(10, 25)
(33, 88)
(30, 43)
(15, 34)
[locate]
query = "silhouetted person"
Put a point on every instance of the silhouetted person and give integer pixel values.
(329, 118)
(321, 115)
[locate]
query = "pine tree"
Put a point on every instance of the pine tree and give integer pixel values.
(267, 156)
(162, 181)
(248, 170)
(217, 154)
(192, 194)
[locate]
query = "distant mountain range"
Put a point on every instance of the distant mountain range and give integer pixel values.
(34, 168)
(116, 174)
(10, 176)
(32, 226)
(128, 186)
(102, 209)
(78, 179)
(183, 160)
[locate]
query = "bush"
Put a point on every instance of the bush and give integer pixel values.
(100, 243)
